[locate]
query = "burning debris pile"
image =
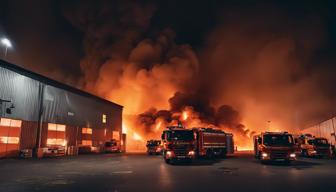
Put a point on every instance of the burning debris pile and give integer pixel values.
(191, 111)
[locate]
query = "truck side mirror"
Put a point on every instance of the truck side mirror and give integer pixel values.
(259, 141)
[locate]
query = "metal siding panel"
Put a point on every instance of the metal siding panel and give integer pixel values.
(22, 91)
(71, 135)
(85, 112)
(28, 135)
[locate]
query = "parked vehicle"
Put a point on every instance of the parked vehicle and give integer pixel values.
(187, 144)
(112, 146)
(53, 151)
(212, 142)
(178, 144)
(314, 146)
(275, 146)
(154, 147)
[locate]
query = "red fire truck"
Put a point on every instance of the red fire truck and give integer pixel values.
(187, 144)
(275, 146)
(311, 146)
(213, 142)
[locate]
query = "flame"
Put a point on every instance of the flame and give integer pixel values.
(137, 137)
(158, 125)
(185, 115)
(244, 149)
(124, 129)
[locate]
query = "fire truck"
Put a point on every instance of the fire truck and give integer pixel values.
(187, 144)
(314, 146)
(154, 147)
(275, 146)
(213, 142)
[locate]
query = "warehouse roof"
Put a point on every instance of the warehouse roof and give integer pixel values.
(52, 82)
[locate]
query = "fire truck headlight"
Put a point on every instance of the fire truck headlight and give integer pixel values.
(191, 153)
(169, 153)
(292, 155)
(264, 155)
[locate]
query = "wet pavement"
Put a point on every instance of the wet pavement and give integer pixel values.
(139, 172)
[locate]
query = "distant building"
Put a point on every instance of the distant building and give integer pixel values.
(39, 113)
(325, 129)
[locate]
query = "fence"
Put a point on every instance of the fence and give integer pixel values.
(324, 129)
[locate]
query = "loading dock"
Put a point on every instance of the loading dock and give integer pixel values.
(43, 115)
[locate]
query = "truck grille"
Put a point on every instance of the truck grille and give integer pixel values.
(279, 154)
(180, 152)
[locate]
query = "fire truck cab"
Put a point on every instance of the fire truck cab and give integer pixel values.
(178, 144)
(314, 147)
(275, 146)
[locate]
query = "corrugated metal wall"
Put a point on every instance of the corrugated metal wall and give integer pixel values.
(22, 91)
(324, 129)
(71, 135)
(61, 105)
(28, 135)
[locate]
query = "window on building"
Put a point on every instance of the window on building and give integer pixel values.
(10, 122)
(87, 136)
(116, 135)
(87, 131)
(87, 142)
(104, 118)
(56, 134)
(10, 131)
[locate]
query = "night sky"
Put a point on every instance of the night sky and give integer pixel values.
(41, 25)
(51, 37)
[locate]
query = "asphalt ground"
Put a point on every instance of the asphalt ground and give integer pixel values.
(140, 172)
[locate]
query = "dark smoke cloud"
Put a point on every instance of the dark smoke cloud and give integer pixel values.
(223, 117)
(264, 62)
(260, 60)
(111, 28)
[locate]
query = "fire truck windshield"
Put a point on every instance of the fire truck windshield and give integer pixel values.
(183, 135)
(278, 140)
(321, 142)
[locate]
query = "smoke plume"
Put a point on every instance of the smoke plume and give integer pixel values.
(255, 72)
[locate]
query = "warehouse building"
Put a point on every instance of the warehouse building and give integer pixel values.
(326, 129)
(47, 117)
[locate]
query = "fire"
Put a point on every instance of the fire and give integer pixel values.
(185, 115)
(158, 126)
(137, 137)
(124, 129)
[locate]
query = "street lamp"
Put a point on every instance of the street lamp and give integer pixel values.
(6, 42)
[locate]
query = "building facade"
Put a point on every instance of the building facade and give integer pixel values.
(326, 129)
(38, 112)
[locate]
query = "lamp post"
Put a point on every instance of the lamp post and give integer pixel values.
(7, 44)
